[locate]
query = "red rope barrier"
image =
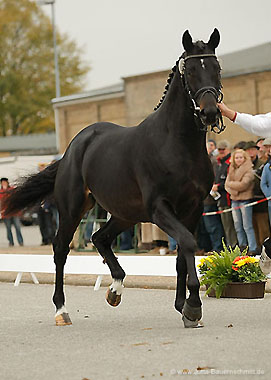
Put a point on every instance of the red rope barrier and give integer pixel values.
(235, 208)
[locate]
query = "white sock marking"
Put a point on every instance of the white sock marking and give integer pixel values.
(117, 287)
(61, 311)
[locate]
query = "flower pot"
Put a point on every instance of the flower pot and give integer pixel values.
(242, 290)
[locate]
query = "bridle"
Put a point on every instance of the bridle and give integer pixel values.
(219, 126)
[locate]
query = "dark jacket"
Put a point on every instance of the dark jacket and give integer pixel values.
(258, 166)
(209, 200)
(220, 179)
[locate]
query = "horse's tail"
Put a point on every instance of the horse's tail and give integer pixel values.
(34, 189)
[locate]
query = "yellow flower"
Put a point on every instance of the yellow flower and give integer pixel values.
(245, 261)
(253, 260)
(209, 258)
(204, 259)
(201, 262)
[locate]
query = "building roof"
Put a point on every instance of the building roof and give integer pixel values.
(32, 143)
(99, 93)
(251, 60)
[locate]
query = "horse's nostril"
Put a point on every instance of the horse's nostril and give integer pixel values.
(209, 116)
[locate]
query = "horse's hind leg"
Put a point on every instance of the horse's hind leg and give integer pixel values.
(102, 240)
(71, 210)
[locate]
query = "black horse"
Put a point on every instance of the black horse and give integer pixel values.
(158, 172)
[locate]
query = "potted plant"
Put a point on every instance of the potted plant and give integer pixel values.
(232, 274)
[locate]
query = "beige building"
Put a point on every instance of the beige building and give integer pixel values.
(246, 78)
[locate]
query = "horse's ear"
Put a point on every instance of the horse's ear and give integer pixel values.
(187, 41)
(214, 39)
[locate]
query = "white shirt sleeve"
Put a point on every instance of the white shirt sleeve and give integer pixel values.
(259, 125)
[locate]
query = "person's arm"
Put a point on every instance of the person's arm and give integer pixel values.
(259, 125)
(228, 187)
(226, 111)
(243, 183)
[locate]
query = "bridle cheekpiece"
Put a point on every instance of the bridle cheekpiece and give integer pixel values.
(219, 126)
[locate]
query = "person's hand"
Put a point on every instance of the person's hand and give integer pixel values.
(226, 111)
(215, 187)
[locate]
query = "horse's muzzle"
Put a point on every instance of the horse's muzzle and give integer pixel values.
(207, 98)
(209, 115)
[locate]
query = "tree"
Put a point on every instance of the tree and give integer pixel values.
(27, 81)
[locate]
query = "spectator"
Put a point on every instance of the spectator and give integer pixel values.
(260, 125)
(240, 145)
(266, 176)
(239, 184)
(212, 223)
(150, 233)
(10, 219)
(126, 239)
(224, 203)
(172, 245)
(266, 144)
(252, 150)
(262, 154)
(260, 211)
(87, 228)
(211, 147)
(203, 240)
(46, 225)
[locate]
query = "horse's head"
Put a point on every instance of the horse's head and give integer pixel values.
(200, 71)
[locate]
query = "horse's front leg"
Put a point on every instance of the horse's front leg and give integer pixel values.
(164, 216)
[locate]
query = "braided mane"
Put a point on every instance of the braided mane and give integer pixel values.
(169, 80)
(200, 45)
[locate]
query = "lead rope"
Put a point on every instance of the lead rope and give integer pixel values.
(219, 126)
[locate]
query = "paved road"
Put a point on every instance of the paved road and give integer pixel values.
(144, 338)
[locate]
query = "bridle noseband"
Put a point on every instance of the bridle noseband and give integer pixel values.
(219, 126)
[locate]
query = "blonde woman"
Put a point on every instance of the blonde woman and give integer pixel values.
(239, 184)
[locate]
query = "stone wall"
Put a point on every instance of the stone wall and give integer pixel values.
(73, 118)
(249, 93)
(142, 94)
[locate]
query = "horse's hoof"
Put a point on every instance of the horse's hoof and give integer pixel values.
(191, 324)
(63, 319)
(113, 298)
(192, 312)
(191, 316)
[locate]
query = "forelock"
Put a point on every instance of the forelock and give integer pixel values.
(200, 46)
